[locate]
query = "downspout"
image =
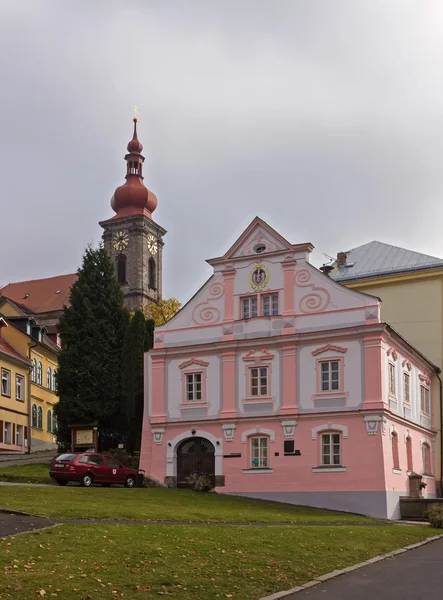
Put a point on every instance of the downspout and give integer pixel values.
(29, 400)
(441, 434)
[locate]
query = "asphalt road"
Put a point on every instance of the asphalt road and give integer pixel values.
(414, 575)
(13, 524)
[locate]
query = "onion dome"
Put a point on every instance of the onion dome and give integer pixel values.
(133, 197)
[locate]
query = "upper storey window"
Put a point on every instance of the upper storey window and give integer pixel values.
(330, 375)
(260, 305)
(269, 305)
(392, 387)
(425, 400)
(249, 307)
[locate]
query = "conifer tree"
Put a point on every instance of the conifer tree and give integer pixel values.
(92, 329)
(132, 379)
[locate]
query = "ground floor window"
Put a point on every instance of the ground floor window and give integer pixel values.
(259, 452)
(330, 449)
(426, 455)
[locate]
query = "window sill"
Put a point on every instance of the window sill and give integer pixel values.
(426, 476)
(396, 471)
(258, 470)
(6, 395)
(194, 404)
(252, 399)
(19, 400)
(338, 469)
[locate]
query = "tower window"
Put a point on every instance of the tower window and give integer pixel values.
(121, 269)
(152, 274)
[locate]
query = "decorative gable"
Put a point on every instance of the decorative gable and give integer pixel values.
(258, 356)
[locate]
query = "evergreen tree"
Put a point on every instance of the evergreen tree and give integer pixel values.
(132, 379)
(92, 330)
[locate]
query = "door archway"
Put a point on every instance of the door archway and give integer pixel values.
(195, 455)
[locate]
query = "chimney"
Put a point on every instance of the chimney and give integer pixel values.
(327, 269)
(341, 259)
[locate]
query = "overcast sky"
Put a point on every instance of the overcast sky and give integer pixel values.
(323, 117)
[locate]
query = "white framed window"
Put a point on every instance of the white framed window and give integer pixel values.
(406, 388)
(34, 415)
(6, 383)
(8, 433)
(259, 452)
(392, 386)
(34, 370)
(49, 422)
(20, 388)
(39, 418)
(330, 449)
(49, 378)
(329, 375)
(193, 387)
(40, 373)
(19, 435)
(249, 307)
(269, 305)
(258, 381)
(425, 400)
(54, 380)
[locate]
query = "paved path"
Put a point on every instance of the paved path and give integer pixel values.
(414, 575)
(13, 524)
(25, 459)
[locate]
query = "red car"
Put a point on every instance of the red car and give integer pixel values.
(90, 467)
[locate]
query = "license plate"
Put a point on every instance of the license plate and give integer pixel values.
(59, 465)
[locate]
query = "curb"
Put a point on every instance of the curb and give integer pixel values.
(13, 535)
(337, 573)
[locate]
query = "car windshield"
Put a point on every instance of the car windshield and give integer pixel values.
(66, 457)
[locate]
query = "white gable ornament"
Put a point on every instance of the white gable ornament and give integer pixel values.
(228, 431)
(288, 428)
(158, 432)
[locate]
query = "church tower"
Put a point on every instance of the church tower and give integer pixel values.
(131, 237)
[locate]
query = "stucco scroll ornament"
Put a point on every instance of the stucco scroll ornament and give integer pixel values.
(157, 433)
(206, 314)
(228, 431)
(315, 301)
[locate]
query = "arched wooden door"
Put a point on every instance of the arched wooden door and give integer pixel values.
(195, 455)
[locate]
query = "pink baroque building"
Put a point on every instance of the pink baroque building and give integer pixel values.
(279, 383)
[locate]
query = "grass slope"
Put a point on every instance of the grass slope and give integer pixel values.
(158, 504)
(34, 473)
(117, 561)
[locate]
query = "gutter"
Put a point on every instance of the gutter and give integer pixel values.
(441, 435)
(29, 400)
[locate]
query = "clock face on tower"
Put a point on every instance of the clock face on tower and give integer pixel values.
(152, 244)
(120, 240)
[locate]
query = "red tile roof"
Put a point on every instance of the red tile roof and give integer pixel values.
(41, 295)
(9, 350)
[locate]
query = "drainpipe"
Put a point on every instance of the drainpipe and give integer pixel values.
(441, 434)
(29, 400)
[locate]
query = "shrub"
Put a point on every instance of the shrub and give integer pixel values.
(435, 516)
(199, 483)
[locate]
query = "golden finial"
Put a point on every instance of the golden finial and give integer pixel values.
(135, 113)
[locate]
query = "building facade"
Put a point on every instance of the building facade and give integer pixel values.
(14, 394)
(279, 383)
(39, 396)
(410, 285)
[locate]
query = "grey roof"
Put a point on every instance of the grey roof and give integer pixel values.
(375, 259)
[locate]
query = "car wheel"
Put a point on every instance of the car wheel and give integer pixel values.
(86, 480)
(62, 482)
(130, 481)
(106, 484)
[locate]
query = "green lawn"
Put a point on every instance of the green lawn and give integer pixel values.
(245, 563)
(157, 504)
(36, 473)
